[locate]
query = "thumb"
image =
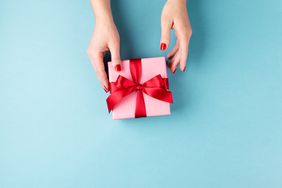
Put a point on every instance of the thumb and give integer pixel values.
(166, 26)
(115, 56)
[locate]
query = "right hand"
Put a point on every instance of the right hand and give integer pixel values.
(175, 16)
(105, 38)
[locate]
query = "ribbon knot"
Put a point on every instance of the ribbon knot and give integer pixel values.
(139, 87)
(156, 87)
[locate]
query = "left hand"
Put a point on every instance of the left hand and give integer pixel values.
(174, 16)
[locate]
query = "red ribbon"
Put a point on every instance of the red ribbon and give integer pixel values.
(156, 87)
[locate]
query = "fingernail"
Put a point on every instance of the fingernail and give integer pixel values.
(163, 46)
(118, 67)
(172, 24)
(106, 89)
(174, 71)
(184, 69)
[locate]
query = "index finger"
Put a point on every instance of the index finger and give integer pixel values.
(98, 65)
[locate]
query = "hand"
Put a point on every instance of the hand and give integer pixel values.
(174, 16)
(105, 38)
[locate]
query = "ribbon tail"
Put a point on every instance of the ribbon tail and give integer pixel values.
(117, 97)
(140, 109)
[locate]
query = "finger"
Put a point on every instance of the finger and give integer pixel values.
(115, 56)
(166, 27)
(98, 65)
(173, 51)
(184, 53)
(183, 36)
(174, 62)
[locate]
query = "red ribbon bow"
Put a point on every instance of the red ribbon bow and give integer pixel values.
(156, 87)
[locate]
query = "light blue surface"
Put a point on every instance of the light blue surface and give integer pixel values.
(225, 128)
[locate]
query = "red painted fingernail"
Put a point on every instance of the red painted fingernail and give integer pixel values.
(184, 69)
(163, 46)
(172, 24)
(118, 67)
(106, 89)
(174, 71)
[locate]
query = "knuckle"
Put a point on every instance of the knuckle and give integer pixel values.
(190, 32)
(114, 39)
(166, 27)
(165, 23)
(92, 53)
(185, 37)
(186, 34)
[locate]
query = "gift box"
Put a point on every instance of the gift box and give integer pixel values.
(140, 89)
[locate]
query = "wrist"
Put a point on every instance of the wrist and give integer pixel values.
(178, 1)
(104, 18)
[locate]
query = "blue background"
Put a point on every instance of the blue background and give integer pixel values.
(225, 128)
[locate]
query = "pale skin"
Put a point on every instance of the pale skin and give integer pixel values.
(106, 37)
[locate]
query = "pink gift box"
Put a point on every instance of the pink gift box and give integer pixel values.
(150, 68)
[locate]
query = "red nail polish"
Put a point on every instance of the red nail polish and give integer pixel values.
(172, 24)
(106, 89)
(118, 67)
(163, 46)
(184, 69)
(174, 71)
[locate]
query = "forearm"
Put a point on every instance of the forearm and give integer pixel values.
(102, 10)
